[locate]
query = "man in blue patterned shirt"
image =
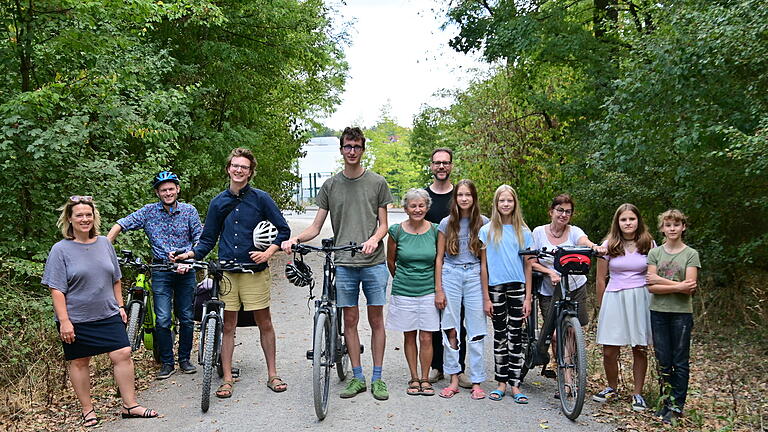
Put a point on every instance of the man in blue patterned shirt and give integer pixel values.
(231, 218)
(170, 226)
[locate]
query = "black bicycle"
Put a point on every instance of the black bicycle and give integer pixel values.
(212, 323)
(329, 348)
(571, 351)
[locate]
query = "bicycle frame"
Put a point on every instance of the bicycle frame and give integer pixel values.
(562, 306)
(213, 308)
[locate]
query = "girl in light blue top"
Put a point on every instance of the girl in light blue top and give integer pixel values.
(508, 287)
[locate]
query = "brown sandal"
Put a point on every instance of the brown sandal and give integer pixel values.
(426, 389)
(414, 387)
(225, 390)
(276, 384)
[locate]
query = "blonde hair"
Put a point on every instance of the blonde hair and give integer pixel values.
(65, 226)
(674, 215)
(497, 230)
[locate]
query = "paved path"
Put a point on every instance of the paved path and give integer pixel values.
(253, 406)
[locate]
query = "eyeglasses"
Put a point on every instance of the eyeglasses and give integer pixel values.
(348, 148)
(81, 198)
(237, 167)
(438, 163)
(561, 210)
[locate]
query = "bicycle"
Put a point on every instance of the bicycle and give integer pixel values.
(212, 323)
(571, 352)
(329, 348)
(139, 305)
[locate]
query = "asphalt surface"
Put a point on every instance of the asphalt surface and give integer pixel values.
(254, 406)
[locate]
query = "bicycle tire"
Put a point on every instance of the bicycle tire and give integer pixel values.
(571, 386)
(529, 342)
(133, 328)
(208, 357)
(342, 353)
(321, 364)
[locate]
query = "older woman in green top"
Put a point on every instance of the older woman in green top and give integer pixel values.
(411, 251)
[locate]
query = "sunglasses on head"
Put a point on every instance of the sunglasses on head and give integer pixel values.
(81, 198)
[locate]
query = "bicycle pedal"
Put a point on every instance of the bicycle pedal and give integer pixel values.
(310, 354)
(235, 372)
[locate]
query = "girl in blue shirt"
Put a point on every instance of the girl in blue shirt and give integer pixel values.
(508, 287)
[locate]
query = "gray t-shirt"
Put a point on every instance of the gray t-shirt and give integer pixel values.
(86, 274)
(464, 256)
(354, 206)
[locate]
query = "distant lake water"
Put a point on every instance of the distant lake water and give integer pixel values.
(321, 162)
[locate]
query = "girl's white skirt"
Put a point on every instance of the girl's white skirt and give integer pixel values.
(625, 318)
(412, 313)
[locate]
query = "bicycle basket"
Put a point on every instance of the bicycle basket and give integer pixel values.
(573, 261)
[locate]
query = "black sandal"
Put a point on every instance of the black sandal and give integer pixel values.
(148, 413)
(93, 421)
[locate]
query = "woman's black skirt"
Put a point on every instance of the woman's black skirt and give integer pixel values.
(96, 337)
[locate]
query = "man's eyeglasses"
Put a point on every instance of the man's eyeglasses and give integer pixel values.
(81, 198)
(438, 163)
(561, 210)
(348, 148)
(242, 167)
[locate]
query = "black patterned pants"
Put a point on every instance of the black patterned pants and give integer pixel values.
(507, 300)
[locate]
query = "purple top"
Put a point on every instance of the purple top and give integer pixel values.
(626, 271)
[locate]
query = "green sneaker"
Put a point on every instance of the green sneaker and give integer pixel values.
(354, 386)
(379, 390)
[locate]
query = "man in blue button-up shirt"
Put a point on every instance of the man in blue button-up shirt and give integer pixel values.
(232, 216)
(170, 226)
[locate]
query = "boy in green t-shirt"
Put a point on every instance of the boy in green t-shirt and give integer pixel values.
(672, 271)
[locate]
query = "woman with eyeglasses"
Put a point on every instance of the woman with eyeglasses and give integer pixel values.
(559, 232)
(83, 275)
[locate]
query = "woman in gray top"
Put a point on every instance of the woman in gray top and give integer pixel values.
(83, 275)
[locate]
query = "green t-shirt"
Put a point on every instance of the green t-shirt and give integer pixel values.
(672, 267)
(354, 206)
(415, 263)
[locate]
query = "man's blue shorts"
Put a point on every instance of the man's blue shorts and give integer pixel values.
(373, 279)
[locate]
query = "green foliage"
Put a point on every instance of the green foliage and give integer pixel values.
(96, 97)
(659, 104)
(389, 153)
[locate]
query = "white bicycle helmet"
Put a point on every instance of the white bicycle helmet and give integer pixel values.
(264, 235)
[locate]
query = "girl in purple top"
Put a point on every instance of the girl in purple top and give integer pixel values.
(624, 303)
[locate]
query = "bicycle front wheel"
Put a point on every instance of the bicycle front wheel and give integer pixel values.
(134, 326)
(208, 358)
(322, 359)
(572, 367)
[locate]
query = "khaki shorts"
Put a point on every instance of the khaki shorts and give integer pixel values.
(250, 290)
(579, 295)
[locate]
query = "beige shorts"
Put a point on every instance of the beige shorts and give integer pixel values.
(250, 290)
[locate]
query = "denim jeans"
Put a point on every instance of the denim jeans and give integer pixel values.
(672, 344)
(461, 284)
(173, 289)
(373, 280)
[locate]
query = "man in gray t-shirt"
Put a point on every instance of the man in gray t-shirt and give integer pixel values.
(357, 200)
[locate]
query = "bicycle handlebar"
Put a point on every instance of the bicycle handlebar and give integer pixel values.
(552, 252)
(304, 249)
(221, 266)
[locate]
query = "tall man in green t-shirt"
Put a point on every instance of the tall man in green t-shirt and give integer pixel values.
(359, 198)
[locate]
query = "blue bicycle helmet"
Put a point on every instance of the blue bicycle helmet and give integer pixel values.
(164, 176)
